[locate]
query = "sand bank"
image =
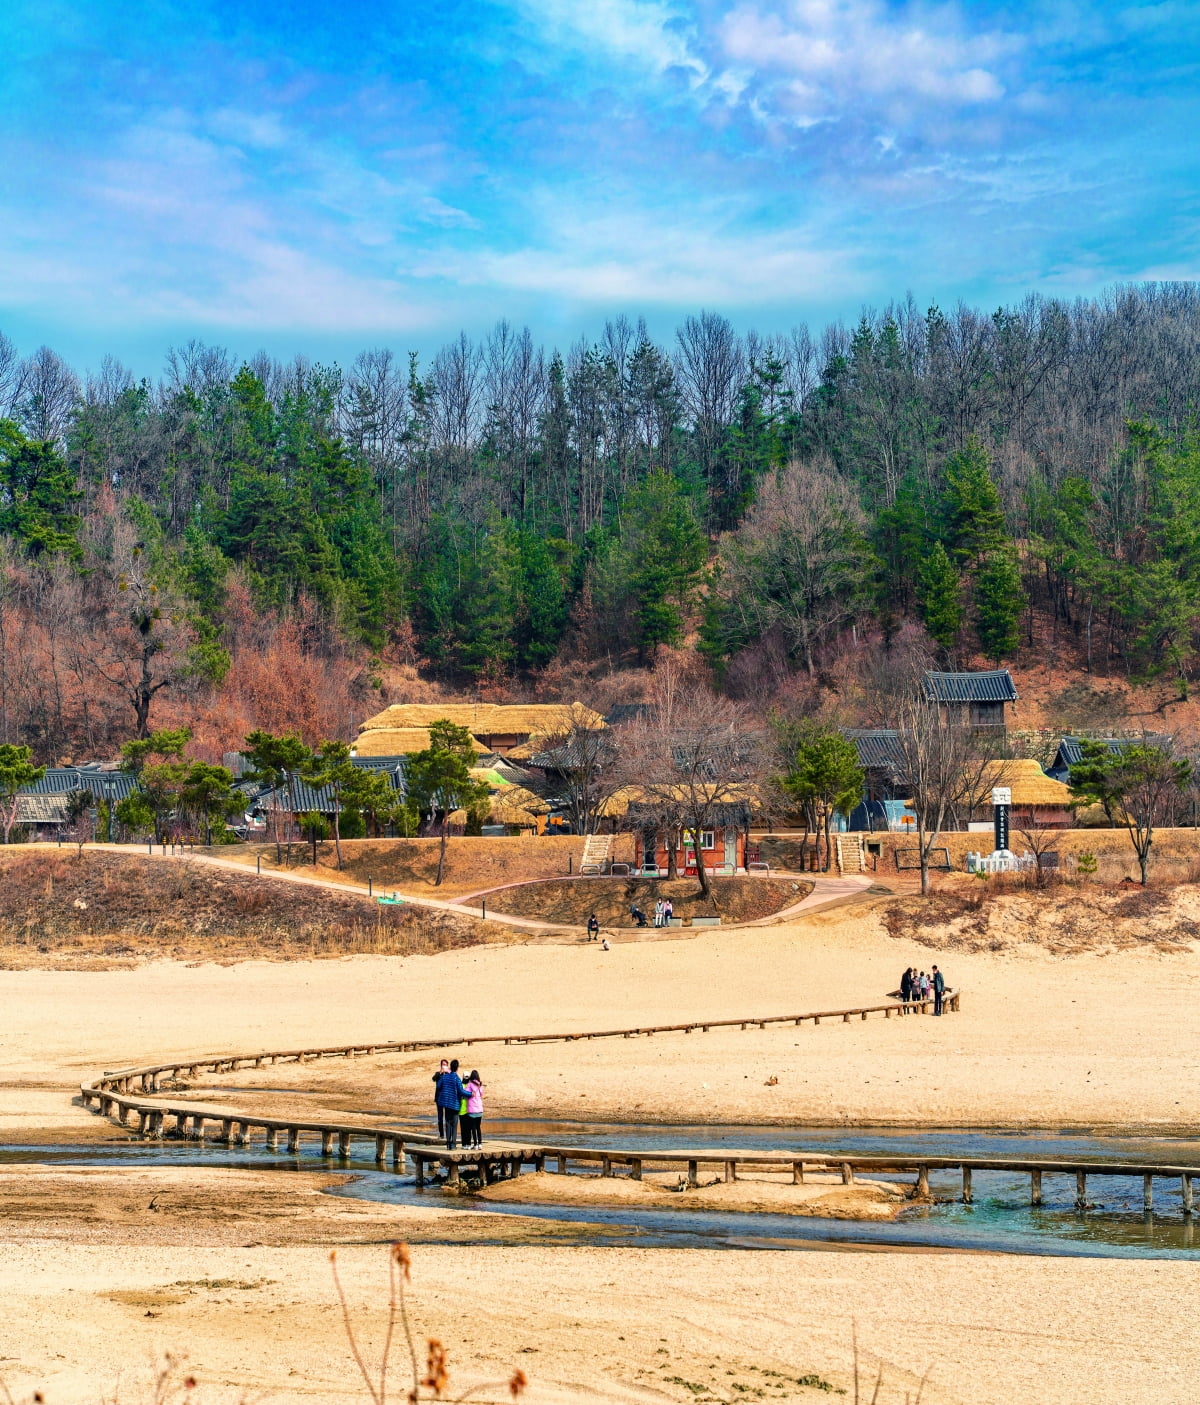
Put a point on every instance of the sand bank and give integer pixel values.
(824, 1196)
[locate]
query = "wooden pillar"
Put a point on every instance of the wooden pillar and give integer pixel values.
(1185, 1186)
(223, 1134)
(181, 1124)
(142, 1116)
(864, 1014)
(692, 1179)
(380, 1150)
(635, 1168)
(845, 1019)
(797, 1172)
(343, 1145)
(398, 1155)
(240, 1133)
(198, 1129)
(326, 1143)
(419, 1163)
(816, 1019)
(1035, 1187)
(1080, 1190)
(887, 1013)
(562, 1164)
(539, 1161)
(452, 1173)
(966, 1195)
(606, 1166)
(272, 1138)
(847, 1173)
(922, 1187)
(1148, 1194)
(293, 1139)
(731, 1170)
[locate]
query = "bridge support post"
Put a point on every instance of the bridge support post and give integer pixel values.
(326, 1143)
(921, 1190)
(692, 1178)
(419, 1163)
(1185, 1185)
(1148, 1194)
(731, 1170)
(606, 1166)
(343, 1145)
(293, 1139)
(1035, 1187)
(797, 1172)
(452, 1173)
(562, 1164)
(847, 1173)
(380, 1150)
(398, 1155)
(635, 1169)
(1081, 1190)
(272, 1138)
(966, 1195)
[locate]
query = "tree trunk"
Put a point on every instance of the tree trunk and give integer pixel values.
(672, 866)
(924, 858)
(701, 871)
(337, 829)
(828, 845)
(437, 882)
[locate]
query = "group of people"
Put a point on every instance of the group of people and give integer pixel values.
(459, 1105)
(663, 912)
(916, 985)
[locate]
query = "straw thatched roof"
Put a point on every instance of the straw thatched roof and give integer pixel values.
(486, 719)
(620, 801)
(399, 741)
(1030, 785)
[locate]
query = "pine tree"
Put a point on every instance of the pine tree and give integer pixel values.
(940, 597)
(974, 518)
(999, 600)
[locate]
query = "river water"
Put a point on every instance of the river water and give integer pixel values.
(1000, 1220)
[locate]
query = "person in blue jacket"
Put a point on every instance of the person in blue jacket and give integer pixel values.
(449, 1098)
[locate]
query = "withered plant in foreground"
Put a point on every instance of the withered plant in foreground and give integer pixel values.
(435, 1383)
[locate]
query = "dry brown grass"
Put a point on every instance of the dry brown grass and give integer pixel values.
(1066, 917)
(104, 909)
(733, 899)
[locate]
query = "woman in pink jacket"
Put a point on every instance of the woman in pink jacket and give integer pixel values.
(472, 1119)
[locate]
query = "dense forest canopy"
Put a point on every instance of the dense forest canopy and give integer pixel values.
(274, 535)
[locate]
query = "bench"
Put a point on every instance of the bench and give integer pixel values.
(706, 921)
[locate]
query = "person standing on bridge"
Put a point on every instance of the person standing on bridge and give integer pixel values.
(443, 1069)
(906, 985)
(473, 1117)
(450, 1094)
(939, 989)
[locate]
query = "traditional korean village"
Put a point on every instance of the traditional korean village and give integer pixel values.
(599, 734)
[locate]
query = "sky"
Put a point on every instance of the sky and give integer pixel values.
(320, 178)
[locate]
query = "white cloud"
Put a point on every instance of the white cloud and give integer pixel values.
(652, 33)
(826, 55)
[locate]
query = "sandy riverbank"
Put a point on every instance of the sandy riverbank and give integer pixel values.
(1061, 1041)
(1089, 1040)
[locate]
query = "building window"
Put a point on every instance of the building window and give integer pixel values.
(707, 839)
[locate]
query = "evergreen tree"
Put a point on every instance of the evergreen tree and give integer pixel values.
(999, 600)
(939, 594)
(663, 552)
(38, 494)
(974, 517)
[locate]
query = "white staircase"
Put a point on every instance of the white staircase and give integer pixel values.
(850, 856)
(596, 851)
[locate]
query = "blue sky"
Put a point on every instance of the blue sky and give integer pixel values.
(324, 177)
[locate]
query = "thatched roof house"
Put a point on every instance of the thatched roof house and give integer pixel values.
(511, 729)
(1038, 800)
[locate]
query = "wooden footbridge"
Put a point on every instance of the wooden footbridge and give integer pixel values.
(126, 1094)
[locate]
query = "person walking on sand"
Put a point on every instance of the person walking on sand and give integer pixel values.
(443, 1069)
(473, 1117)
(939, 989)
(450, 1096)
(593, 927)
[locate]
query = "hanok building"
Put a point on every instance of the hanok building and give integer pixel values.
(972, 699)
(1070, 750)
(43, 807)
(511, 730)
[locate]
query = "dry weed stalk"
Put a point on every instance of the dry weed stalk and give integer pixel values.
(435, 1383)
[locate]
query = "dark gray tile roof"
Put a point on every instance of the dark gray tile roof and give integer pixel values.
(878, 747)
(62, 780)
(1070, 749)
(995, 685)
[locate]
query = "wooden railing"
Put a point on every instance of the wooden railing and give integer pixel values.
(115, 1095)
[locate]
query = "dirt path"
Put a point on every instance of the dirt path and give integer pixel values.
(826, 891)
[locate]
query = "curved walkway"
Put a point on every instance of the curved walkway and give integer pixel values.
(826, 891)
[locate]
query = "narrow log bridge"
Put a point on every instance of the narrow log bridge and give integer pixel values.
(135, 1093)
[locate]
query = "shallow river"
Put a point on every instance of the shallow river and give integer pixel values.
(1000, 1220)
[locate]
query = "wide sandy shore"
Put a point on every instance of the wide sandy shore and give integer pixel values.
(103, 1272)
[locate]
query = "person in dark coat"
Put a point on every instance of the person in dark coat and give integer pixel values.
(450, 1094)
(906, 985)
(638, 915)
(939, 989)
(443, 1069)
(593, 927)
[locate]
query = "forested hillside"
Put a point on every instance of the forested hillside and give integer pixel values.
(258, 544)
